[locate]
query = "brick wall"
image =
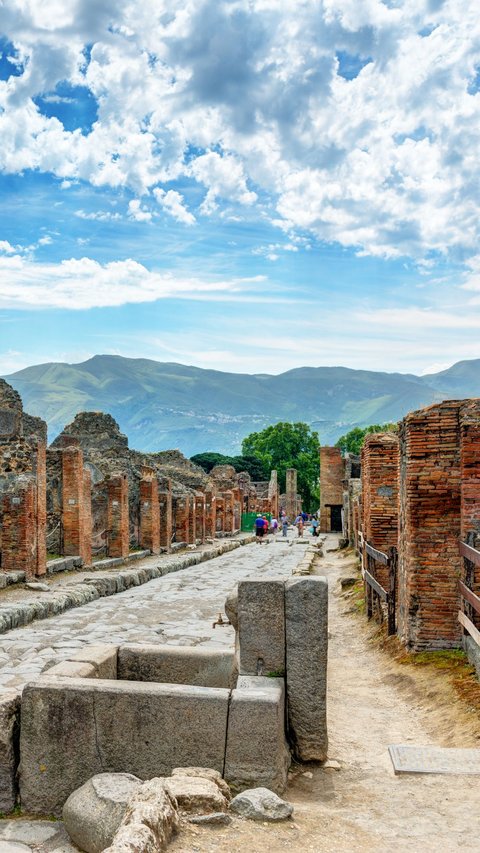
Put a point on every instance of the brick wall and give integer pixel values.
(166, 514)
(229, 520)
(182, 519)
(331, 488)
(380, 478)
(430, 526)
(200, 517)
(117, 516)
(219, 514)
(470, 484)
(149, 514)
(76, 505)
(210, 515)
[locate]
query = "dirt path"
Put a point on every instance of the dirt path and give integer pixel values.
(373, 701)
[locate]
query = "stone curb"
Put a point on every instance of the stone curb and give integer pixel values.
(20, 614)
(305, 566)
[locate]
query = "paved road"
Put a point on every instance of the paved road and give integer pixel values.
(177, 609)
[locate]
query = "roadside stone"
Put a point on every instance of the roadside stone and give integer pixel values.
(9, 720)
(331, 764)
(348, 581)
(38, 587)
(214, 819)
(150, 820)
(196, 794)
(205, 773)
(261, 627)
(261, 804)
(94, 812)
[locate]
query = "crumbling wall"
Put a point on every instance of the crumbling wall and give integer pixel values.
(331, 485)
(380, 479)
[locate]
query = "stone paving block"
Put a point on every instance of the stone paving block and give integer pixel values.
(9, 721)
(306, 621)
(176, 665)
(257, 752)
(75, 728)
(261, 627)
(70, 669)
(101, 656)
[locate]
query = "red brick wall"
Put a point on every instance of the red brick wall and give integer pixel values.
(210, 515)
(229, 517)
(380, 475)
(149, 514)
(40, 472)
(219, 515)
(331, 485)
(166, 516)
(117, 516)
(470, 487)
(430, 526)
(19, 527)
(200, 517)
(182, 519)
(76, 505)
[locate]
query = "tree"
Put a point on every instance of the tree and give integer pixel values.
(251, 464)
(352, 441)
(287, 445)
(207, 461)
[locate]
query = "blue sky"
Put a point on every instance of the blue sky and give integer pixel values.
(249, 185)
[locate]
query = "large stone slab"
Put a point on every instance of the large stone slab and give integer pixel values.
(435, 759)
(176, 665)
(257, 752)
(306, 632)
(9, 722)
(261, 627)
(73, 729)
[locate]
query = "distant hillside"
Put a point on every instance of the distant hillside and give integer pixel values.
(162, 405)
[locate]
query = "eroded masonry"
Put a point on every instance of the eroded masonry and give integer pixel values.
(414, 517)
(88, 496)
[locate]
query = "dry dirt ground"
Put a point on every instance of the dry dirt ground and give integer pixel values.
(374, 700)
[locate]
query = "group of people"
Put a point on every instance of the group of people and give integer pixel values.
(263, 526)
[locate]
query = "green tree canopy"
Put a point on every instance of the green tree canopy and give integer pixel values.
(352, 441)
(251, 464)
(287, 445)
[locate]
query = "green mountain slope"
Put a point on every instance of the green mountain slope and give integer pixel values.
(164, 405)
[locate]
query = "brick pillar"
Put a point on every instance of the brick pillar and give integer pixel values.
(117, 516)
(200, 517)
(380, 473)
(19, 527)
(76, 506)
(291, 494)
(237, 509)
(331, 487)
(166, 516)
(470, 483)
(210, 528)
(229, 519)
(182, 519)
(273, 494)
(219, 515)
(40, 469)
(149, 514)
(429, 527)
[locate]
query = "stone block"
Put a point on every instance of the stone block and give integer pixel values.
(306, 621)
(257, 752)
(94, 812)
(102, 656)
(261, 627)
(9, 722)
(176, 665)
(73, 729)
(70, 669)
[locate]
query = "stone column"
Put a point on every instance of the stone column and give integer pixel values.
(291, 494)
(117, 517)
(149, 514)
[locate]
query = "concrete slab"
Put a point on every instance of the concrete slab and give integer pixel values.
(435, 759)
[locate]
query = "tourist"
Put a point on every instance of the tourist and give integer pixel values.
(314, 526)
(259, 528)
(284, 525)
(274, 525)
(299, 524)
(265, 525)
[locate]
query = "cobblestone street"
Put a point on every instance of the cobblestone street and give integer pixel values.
(177, 609)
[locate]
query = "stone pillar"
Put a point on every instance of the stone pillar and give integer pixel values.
(237, 509)
(117, 516)
(331, 488)
(210, 529)
(229, 518)
(200, 517)
(166, 516)
(273, 494)
(76, 505)
(291, 494)
(380, 474)
(182, 519)
(430, 526)
(149, 514)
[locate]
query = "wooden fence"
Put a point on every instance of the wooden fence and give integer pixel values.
(470, 612)
(374, 591)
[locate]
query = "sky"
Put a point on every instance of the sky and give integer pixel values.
(241, 185)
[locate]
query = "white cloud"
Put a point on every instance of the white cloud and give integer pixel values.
(172, 202)
(246, 99)
(99, 215)
(84, 283)
(138, 212)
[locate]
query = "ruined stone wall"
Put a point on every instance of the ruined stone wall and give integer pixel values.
(430, 527)
(380, 481)
(331, 484)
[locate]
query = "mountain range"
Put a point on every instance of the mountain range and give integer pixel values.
(167, 405)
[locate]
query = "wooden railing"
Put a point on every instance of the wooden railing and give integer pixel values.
(374, 591)
(470, 612)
